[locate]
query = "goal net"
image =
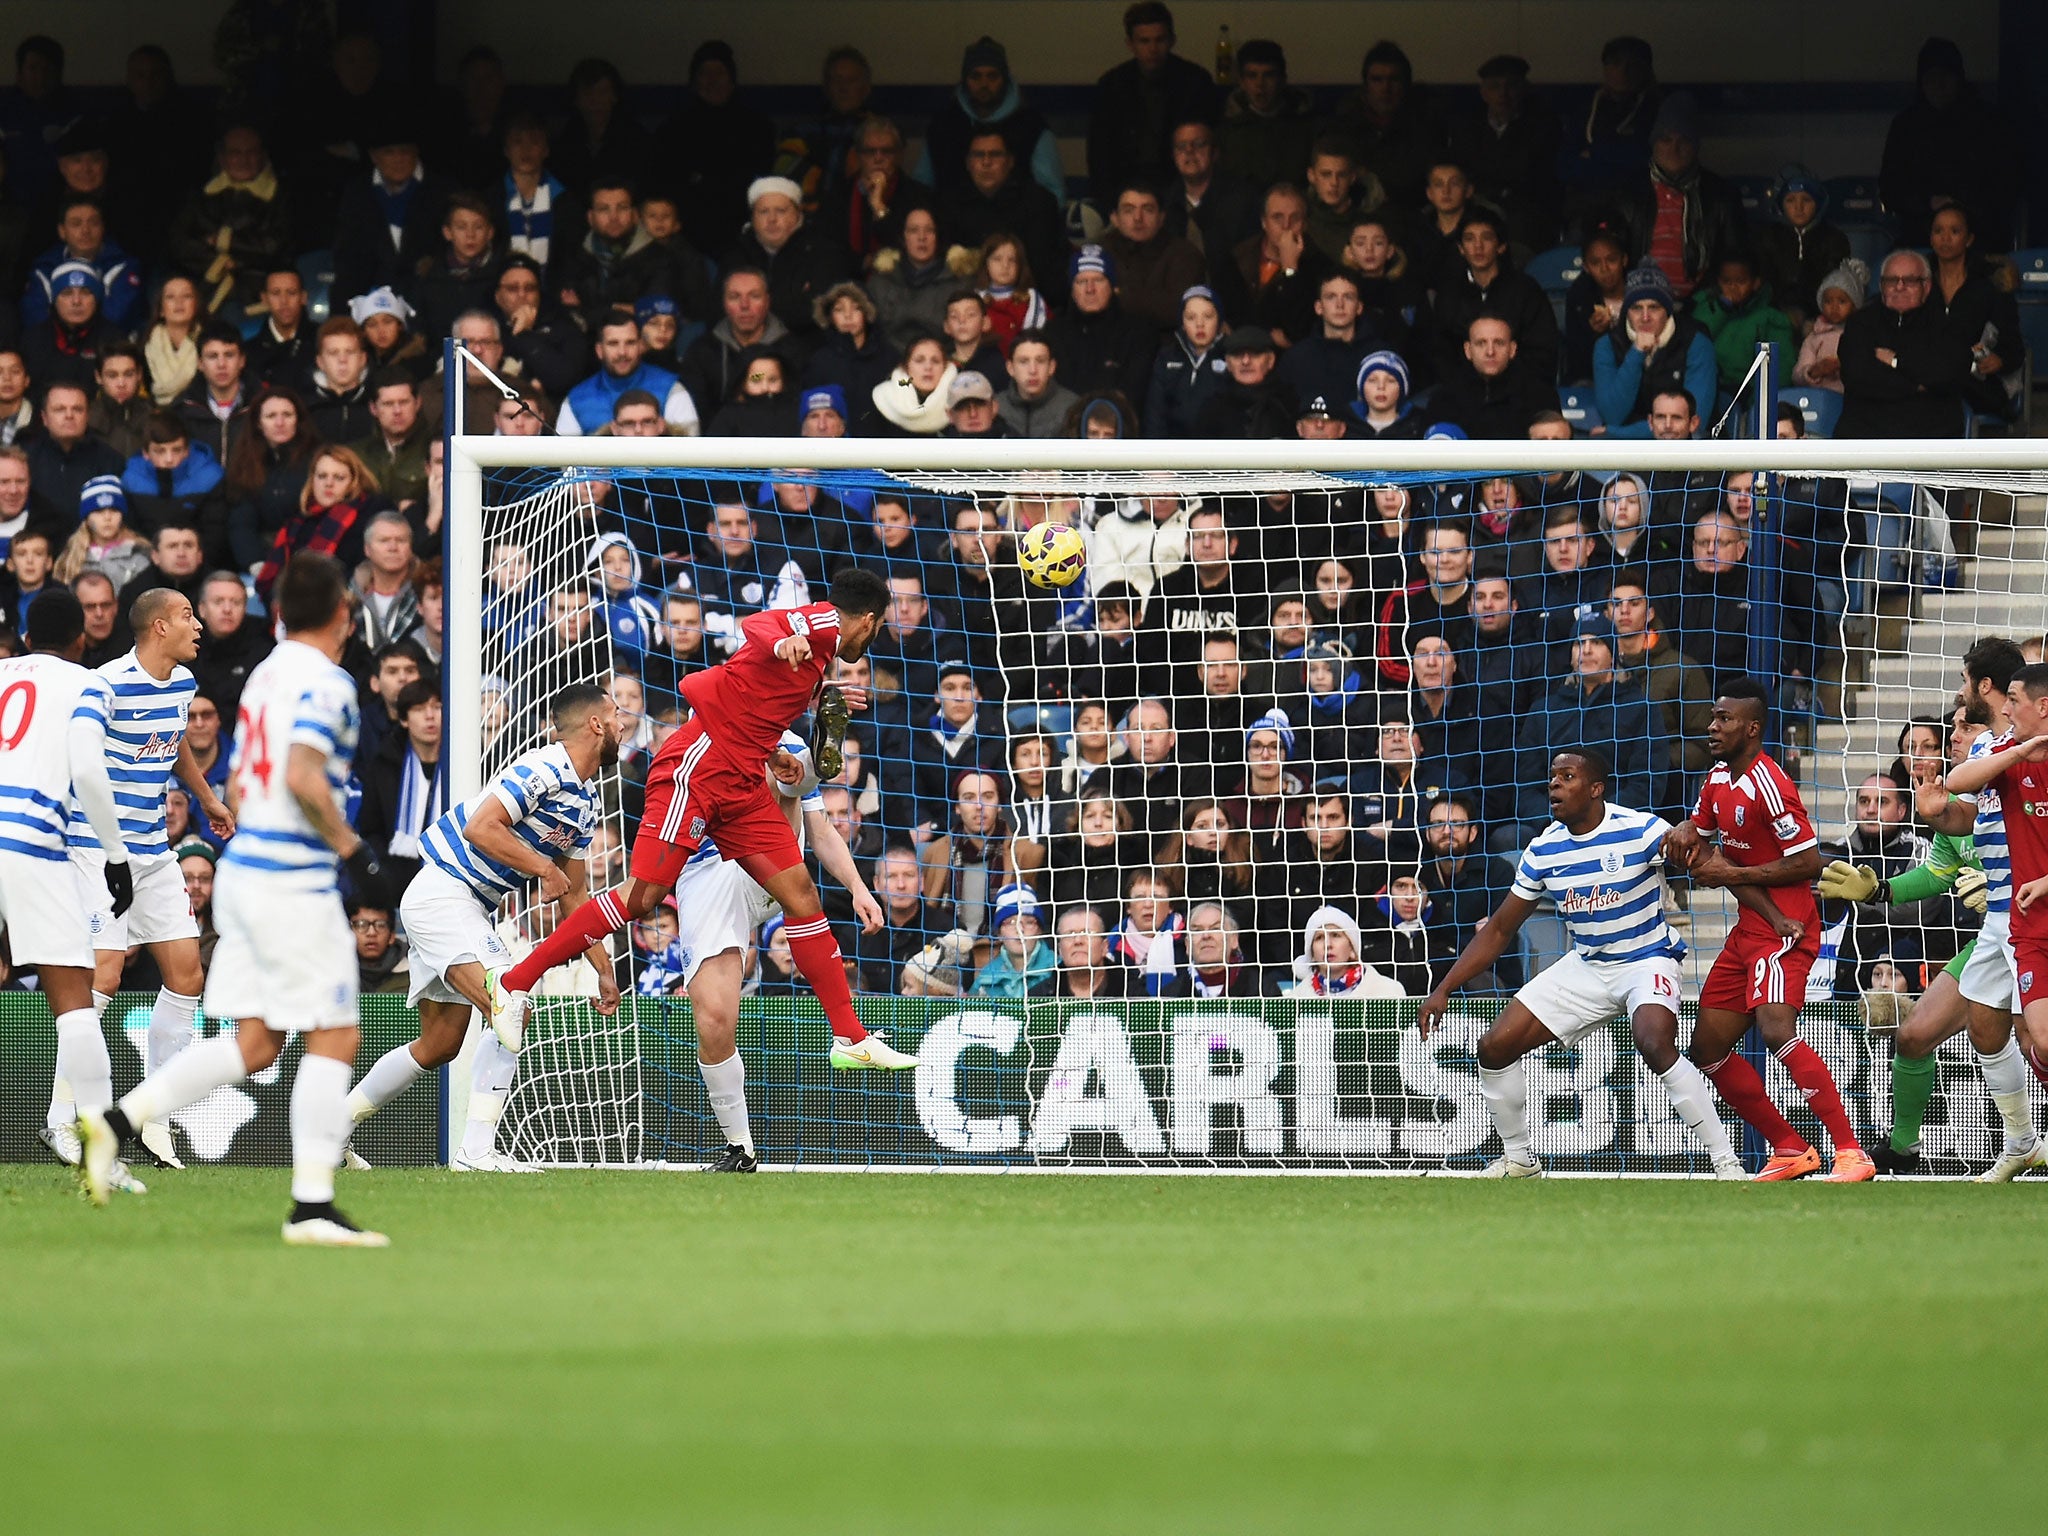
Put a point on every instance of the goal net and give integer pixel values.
(1168, 857)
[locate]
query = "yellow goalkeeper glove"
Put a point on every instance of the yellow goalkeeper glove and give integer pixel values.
(1843, 881)
(1972, 889)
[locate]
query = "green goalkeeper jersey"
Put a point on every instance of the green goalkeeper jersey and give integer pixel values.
(1950, 857)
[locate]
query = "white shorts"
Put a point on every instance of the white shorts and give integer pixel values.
(41, 912)
(1991, 975)
(162, 911)
(1576, 994)
(718, 907)
(445, 926)
(285, 956)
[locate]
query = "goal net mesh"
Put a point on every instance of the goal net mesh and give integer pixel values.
(1279, 748)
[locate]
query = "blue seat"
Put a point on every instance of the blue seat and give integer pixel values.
(1855, 199)
(2031, 265)
(1755, 192)
(1821, 408)
(316, 271)
(1576, 404)
(1556, 269)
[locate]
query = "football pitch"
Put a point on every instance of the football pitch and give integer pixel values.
(846, 1353)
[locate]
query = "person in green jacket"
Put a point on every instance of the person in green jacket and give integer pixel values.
(1738, 314)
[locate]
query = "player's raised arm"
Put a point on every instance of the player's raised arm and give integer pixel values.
(1976, 773)
(1476, 959)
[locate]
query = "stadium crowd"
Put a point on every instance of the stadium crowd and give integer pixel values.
(1277, 742)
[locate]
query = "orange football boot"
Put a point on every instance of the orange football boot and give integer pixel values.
(1791, 1165)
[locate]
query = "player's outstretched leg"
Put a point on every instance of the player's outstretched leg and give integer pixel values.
(1514, 1035)
(171, 1029)
(1779, 1023)
(817, 955)
(1656, 1035)
(596, 920)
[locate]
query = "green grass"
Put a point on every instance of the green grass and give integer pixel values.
(608, 1353)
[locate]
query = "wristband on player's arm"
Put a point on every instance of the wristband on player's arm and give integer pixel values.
(366, 877)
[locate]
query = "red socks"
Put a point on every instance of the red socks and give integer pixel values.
(817, 955)
(597, 918)
(1817, 1086)
(2034, 1061)
(1737, 1082)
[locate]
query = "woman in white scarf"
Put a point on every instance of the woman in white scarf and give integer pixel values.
(911, 402)
(171, 351)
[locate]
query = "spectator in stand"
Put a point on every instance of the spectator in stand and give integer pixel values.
(1680, 218)
(1272, 278)
(1138, 103)
(853, 356)
(14, 502)
(1950, 145)
(384, 581)
(710, 367)
(539, 336)
(1340, 190)
(621, 367)
(1654, 350)
(1974, 294)
(1391, 299)
(1797, 252)
(233, 641)
(281, 352)
(911, 402)
(388, 334)
(1035, 404)
(175, 480)
(995, 197)
(909, 921)
(1493, 394)
(1153, 268)
(339, 405)
(1596, 705)
(1100, 346)
(82, 242)
(171, 349)
(65, 345)
(1189, 371)
(1009, 291)
(718, 143)
(1251, 403)
(233, 231)
(17, 413)
(65, 454)
(910, 287)
(1395, 133)
(1509, 148)
(1713, 596)
(1464, 883)
(405, 785)
(27, 576)
(1739, 315)
(1431, 241)
(1402, 939)
(1383, 409)
(799, 261)
(339, 498)
(762, 403)
(1839, 296)
(1268, 128)
(988, 100)
(121, 407)
(395, 450)
(1674, 682)
(1330, 962)
(1488, 286)
(103, 542)
(215, 405)
(1604, 156)
(1086, 971)
(536, 210)
(1596, 304)
(99, 602)
(864, 212)
(1326, 362)
(265, 473)
(971, 408)
(1905, 373)
(462, 276)
(1023, 963)
(1323, 863)
(1213, 210)
(176, 563)
(389, 222)
(966, 331)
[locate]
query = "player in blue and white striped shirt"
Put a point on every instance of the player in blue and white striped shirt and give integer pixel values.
(1602, 866)
(152, 692)
(530, 824)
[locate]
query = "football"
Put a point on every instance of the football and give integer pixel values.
(1052, 555)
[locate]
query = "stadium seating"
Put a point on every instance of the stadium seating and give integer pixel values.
(1577, 403)
(1821, 408)
(1555, 270)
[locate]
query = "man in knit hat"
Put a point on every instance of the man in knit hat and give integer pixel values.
(1680, 217)
(1098, 345)
(800, 261)
(987, 98)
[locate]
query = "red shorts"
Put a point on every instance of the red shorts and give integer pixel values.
(693, 793)
(2032, 955)
(1754, 970)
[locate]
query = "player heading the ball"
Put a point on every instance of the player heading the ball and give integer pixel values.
(708, 781)
(1602, 865)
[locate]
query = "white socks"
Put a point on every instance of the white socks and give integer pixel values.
(82, 1059)
(1692, 1096)
(389, 1076)
(2005, 1075)
(186, 1078)
(490, 1084)
(1507, 1100)
(320, 1124)
(726, 1082)
(170, 1026)
(63, 1108)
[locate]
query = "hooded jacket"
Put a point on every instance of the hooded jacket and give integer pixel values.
(943, 165)
(1794, 260)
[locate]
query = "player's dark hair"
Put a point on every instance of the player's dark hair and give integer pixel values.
(308, 592)
(1595, 763)
(572, 703)
(147, 608)
(55, 619)
(855, 590)
(1749, 691)
(2033, 677)
(1995, 660)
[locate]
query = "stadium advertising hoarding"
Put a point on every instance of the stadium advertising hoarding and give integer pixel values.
(1252, 1084)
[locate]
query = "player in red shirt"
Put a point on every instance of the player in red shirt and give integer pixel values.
(709, 780)
(1767, 860)
(2020, 775)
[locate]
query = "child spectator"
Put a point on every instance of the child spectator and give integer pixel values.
(1390, 297)
(462, 275)
(659, 329)
(1009, 291)
(1331, 963)
(620, 606)
(172, 347)
(853, 355)
(1594, 303)
(1190, 370)
(339, 407)
(23, 581)
(1023, 963)
(1801, 248)
(175, 480)
(1398, 940)
(121, 407)
(1383, 406)
(1839, 296)
(386, 322)
(970, 350)
(104, 542)
(1738, 315)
